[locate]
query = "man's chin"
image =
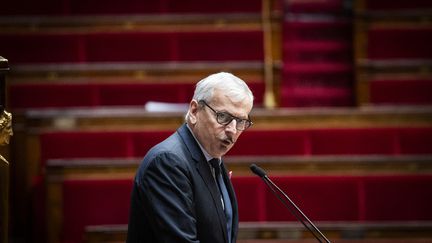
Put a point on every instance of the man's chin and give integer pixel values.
(224, 149)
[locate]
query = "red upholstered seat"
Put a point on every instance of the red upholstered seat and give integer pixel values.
(319, 197)
(93, 202)
(332, 141)
(335, 141)
(406, 43)
(342, 198)
(41, 7)
(85, 145)
(390, 5)
(416, 140)
(48, 95)
(42, 47)
(280, 142)
(132, 94)
(97, 144)
(140, 93)
(220, 46)
(133, 47)
(144, 141)
(315, 6)
(398, 197)
(163, 6)
(401, 92)
(130, 46)
(109, 7)
(213, 6)
(364, 141)
(251, 198)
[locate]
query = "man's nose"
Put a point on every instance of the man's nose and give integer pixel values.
(232, 126)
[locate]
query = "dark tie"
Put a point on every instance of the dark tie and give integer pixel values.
(226, 202)
(216, 166)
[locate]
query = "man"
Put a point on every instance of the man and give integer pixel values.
(182, 192)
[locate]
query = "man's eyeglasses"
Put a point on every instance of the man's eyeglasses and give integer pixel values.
(225, 118)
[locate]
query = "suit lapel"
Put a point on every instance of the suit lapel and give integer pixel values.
(204, 171)
(206, 175)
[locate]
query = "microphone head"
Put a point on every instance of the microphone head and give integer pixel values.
(257, 170)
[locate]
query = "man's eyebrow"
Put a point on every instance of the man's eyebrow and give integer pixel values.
(236, 116)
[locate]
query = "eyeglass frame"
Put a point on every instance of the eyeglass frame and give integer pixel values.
(237, 119)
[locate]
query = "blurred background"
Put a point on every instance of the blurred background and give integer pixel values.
(342, 117)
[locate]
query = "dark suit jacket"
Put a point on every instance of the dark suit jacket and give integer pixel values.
(175, 198)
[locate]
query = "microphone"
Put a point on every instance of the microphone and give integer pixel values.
(292, 207)
(257, 170)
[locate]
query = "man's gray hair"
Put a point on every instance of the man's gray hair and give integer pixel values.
(232, 86)
(229, 84)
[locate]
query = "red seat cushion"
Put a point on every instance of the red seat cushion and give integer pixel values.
(45, 95)
(333, 198)
(83, 144)
(42, 48)
(93, 202)
(406, 43)
(41, 7)
(399, 92)
(397, 5)
(416, 140)
(144, 141)
(251, 196)
(110, 7)
(48, 95)
(130, 46)
(141, 93)
(164, 6)
(398, 197)
(315, 6)
(221, 46)
(365, 141)
(279, 142)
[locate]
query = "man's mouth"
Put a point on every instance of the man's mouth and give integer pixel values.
(228, 141)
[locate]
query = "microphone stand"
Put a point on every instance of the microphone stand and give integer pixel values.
(307, 223)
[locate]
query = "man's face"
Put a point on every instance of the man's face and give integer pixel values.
(217, 139)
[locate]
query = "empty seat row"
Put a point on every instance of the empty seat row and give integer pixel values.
(99, 7)
(403, 91)
(391, 6)
(399, 42)
(331, 141)
(322, 198)
(132, 46)
(338, 198)
(48, 95)
(316, 6)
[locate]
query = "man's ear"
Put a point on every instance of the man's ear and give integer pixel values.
(193, 110)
